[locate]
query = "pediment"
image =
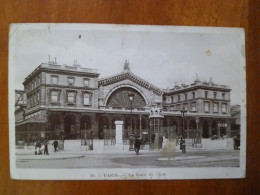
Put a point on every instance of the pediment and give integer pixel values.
(128, 75)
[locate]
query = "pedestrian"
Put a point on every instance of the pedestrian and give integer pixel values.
(55, 144)
(137, 145)
(38, 147)
(46, 146)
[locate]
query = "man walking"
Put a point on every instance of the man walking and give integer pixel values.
(46, 141)
(137, 145)
(55, 144)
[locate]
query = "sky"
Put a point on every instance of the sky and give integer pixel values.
(162, 55)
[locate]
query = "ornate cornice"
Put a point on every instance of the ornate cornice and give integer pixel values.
(129, 75)
(58, 71)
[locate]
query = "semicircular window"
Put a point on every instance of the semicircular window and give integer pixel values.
(119, 99)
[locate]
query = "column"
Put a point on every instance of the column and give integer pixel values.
(94, 124)
(218, 128)
(188, 128)
(119, 134)
(228, 133)
(210, 128)
(77, 128)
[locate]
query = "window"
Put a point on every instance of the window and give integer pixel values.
(193, 95)
(193, 106)
(223, 96)
(224, 108)
(215, 109)
(185, 96)
(39, 80)
(206, 106)
(54, 96)
(54, 80)
(86, 82)
(215, 95)
(35, 99)
(172, 99)
(179, 98)
(71, 97)
(86, 99)
(71, 81)
(206, 94)
(38, 97)
(33, 103)
(29, 103)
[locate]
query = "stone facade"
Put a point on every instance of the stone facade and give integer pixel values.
(61, 99)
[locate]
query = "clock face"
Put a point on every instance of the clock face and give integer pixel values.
(120, 98)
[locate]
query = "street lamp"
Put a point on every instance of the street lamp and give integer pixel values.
(131, 99)
(197, 139)
(140, 119)
(182, 141)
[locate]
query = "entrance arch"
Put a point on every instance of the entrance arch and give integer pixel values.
(103, 124)
(85, 122)
(205, 132)
(193, 128)
(70, 126)
(214, 128)
(223, 128)
(54, 121)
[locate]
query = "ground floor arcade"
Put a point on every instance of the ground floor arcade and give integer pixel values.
(70, 125)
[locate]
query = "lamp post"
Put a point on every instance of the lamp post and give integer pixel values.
(182, 141)
(197, 138)
(140, 119)
(131, 99)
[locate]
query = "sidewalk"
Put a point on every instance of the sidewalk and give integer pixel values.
(73, 149)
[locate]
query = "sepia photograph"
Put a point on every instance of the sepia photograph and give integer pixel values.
(126, 102)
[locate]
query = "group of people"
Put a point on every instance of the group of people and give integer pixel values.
(38, 146)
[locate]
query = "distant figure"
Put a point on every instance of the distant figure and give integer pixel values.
(38, 146)
(137, 145)
(55, 145)
(153, 138)
(46, 146)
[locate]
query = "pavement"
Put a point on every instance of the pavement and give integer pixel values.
(73, 150)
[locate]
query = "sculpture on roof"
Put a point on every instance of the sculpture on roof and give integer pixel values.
(126, 66)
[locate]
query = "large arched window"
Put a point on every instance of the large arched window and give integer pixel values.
(119, 99)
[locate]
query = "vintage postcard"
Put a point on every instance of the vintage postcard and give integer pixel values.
(126, 102)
